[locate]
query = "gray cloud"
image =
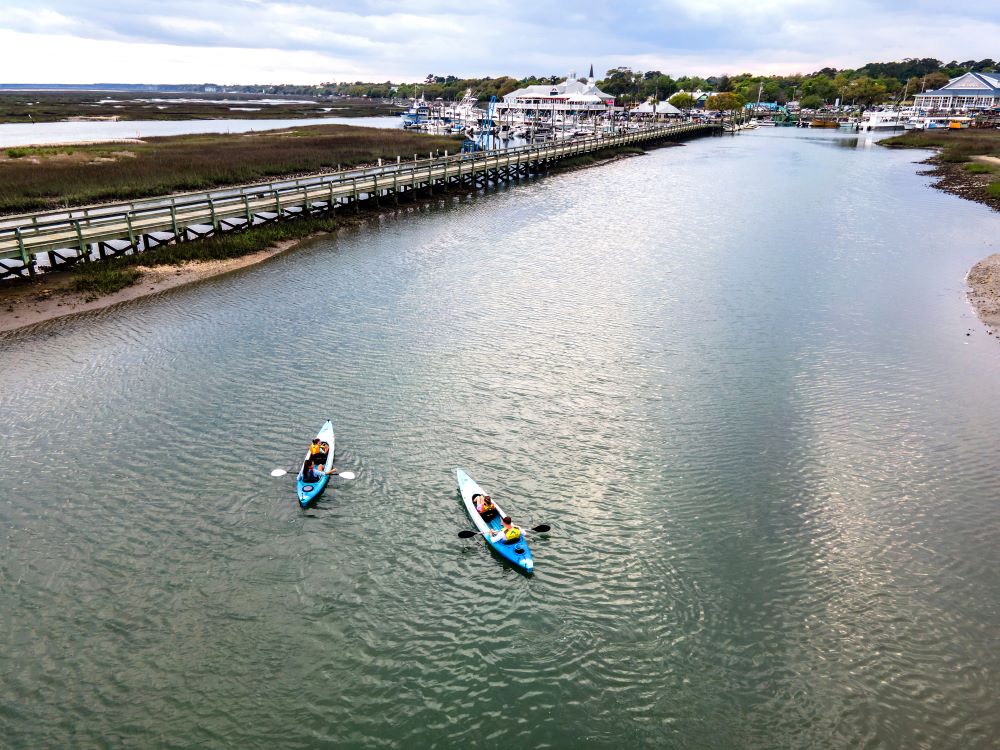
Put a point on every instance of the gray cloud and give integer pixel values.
(383, 38)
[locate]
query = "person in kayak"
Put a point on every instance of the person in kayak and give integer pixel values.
(314, 448)
(487, 510)
(509, 534)
(319, 458)
(313, 473)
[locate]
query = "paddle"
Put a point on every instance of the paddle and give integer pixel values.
(342, 474)
(468, 534)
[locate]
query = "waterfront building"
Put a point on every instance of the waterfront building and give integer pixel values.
(657, 110)
(968, 92)
(576, 95)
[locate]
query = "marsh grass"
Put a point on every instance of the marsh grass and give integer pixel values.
(104, 277)
(956, 145)
(993, 189)
(977, 168)
(58, 177)
(98, 279)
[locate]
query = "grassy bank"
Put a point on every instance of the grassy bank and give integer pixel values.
(966, 163)
(956, 145)
(55, 177)
(55, 106)
(104, 277)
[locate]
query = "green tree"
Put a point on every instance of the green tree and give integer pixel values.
(811, 101)
(819, 86)
(621, 82)
(933, 81)
(725, 102)
(864, 91)
(682, 101)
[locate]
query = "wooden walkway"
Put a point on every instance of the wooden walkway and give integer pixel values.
(96, 232)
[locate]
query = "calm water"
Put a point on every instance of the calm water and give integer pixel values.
(734, 377)
(24, 134)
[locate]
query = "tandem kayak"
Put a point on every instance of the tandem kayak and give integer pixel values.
(517, 554)
(309, 491)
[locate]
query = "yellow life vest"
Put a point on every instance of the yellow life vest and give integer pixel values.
(314, 449)
(487, 506)
(512, 534)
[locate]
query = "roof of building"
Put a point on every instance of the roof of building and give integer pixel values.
(969, 84)
(570, 89)
(662, 108)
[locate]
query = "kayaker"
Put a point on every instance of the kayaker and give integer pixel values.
(486, 508)
(320, 457)
(509, 533)
(314, 448)
(313, 473)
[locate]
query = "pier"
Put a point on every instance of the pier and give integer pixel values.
(63, 238)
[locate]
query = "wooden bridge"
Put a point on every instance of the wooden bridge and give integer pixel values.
(95, 232)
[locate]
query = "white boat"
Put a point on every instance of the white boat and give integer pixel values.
(882, 121)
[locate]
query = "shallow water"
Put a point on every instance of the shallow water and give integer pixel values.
(734, 376)
(35, 134)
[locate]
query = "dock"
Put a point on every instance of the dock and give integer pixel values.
(65, 237)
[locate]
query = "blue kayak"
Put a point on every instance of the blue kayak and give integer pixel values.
(309, 491)
(517, 554)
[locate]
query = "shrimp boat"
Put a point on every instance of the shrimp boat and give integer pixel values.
(516, 554)
(309, 491)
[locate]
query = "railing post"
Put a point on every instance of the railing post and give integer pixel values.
(79, 238)
(20, 245)
(173, 217)
(131, 233)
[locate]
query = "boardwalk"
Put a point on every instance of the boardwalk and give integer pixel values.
(95, 232)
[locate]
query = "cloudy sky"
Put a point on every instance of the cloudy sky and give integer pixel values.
(265, 41)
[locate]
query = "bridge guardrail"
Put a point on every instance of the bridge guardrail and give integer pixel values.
(24, 236)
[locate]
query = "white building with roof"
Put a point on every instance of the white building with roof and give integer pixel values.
(657, 110)
(968, 92)
(577, 95)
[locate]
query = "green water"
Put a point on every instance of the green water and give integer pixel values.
(734, 377)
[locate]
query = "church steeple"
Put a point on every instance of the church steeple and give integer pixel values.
(592, 72)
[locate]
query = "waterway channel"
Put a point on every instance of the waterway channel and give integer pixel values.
(734, 376)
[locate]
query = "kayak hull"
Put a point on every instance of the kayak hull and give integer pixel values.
(309, 491)
(517, 554)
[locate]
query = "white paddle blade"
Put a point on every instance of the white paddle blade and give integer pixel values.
(278, 473)
(346, 475)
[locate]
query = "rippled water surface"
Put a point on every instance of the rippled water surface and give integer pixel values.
(734, 376)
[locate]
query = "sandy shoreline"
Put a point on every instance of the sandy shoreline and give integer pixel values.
(983, 278)
(46, 299)
(984, 290)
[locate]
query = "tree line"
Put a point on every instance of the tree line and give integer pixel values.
(873, 83)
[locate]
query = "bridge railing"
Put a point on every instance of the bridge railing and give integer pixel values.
(23, 236)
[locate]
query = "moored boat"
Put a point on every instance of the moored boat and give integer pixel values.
(309, 491)
(517, 554)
